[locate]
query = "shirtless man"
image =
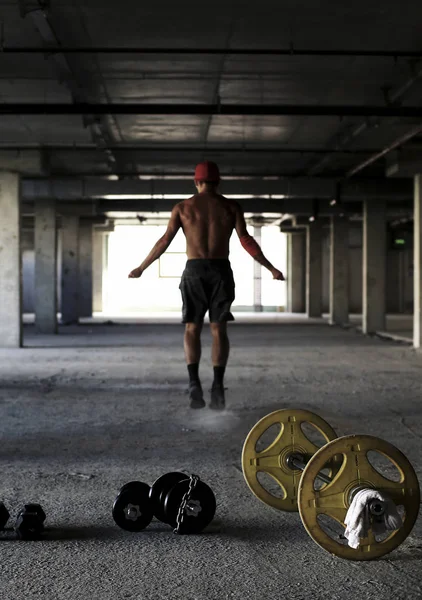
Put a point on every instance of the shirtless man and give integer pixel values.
(207, 220)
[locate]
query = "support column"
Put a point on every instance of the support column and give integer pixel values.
(314, 269)
(257, 274)
(374, 266)
(296, 272)
(85, 269)
(339, 270)
(417, 263)
(45, 267)
(98, 266)
(70, 269)
(10, 261)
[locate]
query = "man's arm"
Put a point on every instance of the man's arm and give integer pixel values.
(162, 244)
(251, 246)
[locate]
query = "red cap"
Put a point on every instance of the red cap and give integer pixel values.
(207, 171)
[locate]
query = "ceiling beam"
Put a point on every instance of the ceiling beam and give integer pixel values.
(288, 187)
(42, 22)
(216, 98)
(28, 162)
(291, 51)
(83, 108)
(296, 207)
(180, 148)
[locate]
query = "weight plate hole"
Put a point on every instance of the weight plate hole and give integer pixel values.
(383, 536)
(313, 434)
(332, 528)
(383, 465)
(330, 469)
(268, 437)
(270, 485)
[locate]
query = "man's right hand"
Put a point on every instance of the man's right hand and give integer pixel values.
(277, 275)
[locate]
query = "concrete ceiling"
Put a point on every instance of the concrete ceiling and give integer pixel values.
(257, 145)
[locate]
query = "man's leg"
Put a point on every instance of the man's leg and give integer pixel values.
(220, 344)
(192, 345)
(220, 354)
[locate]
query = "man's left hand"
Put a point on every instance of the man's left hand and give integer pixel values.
(135, 273)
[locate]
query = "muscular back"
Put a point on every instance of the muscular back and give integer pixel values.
(208, 221)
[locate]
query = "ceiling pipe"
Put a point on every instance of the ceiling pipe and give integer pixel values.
(52, 49)
(391, 98)
(209, 109)
(399, 142)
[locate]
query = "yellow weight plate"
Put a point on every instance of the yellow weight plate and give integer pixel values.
(272, 460)
(356, 471)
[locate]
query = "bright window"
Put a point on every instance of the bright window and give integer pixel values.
(158, 288)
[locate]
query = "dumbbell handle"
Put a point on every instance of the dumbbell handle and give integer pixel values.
(297, 461)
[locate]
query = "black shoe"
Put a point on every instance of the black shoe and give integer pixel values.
(196, 395)
(218, 401)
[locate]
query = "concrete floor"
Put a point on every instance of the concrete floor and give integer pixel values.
(398, 326)
(86, 411)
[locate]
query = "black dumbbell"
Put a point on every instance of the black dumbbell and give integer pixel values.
(137, 503)
(4, 516)
(29, 523)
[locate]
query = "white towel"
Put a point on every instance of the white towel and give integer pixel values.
(358, 519)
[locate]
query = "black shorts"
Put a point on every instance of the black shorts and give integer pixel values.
(207, 284)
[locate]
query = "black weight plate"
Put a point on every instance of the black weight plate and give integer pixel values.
(134, 497)
(132, 485)
(160, 489)
(28, 526)
(4, 515)
(204, 499)
(37, 509)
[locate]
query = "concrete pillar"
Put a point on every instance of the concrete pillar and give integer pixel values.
(374, 266)
(10, 261)
(339, 270)
(70, 269)
(45, 267)
(98, 250)
(257, 274)
(85, 269)
(314, 269)
(417, 264)
(296, 272)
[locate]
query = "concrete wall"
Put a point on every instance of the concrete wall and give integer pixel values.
(399, 275)
(28, 276)
(28, 271)
(355, 269)
(59, 270)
